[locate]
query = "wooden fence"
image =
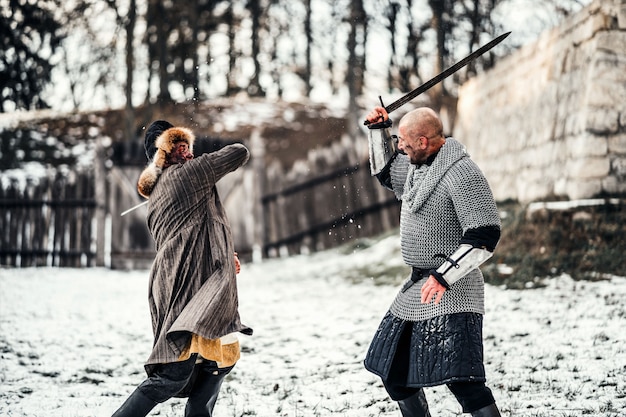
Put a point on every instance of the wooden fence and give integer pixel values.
(49, 222)
(326, 211)
(323, 201)
(131, 245)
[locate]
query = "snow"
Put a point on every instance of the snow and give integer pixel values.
(571, 204)
(73, 341)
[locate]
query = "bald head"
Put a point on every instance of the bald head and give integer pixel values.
(420, 134)
(423, 121)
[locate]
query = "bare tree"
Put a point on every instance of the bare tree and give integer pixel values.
(158, 29)
(194, 25)
(403, 71)
(393, 76)
(256, 14)
(26, 30)
(322, 42)
(357, 40)
(309, 45)
(130, 67)
(231, 22)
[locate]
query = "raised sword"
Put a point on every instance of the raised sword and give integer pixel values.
(442, 75)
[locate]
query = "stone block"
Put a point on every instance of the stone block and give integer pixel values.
(621, 15)
(587, 28)
(602, 120)
(586, 145)
(584, 188)
(614, 185)
(573, 123)
(603, 92)
(533, 191)
(588, 167)
(547, 156)
(560, 186)
(503, 187)
(617, 144)
(612, 42)
(618, 167)
(524, 184)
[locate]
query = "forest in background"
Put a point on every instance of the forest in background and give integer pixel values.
(98, 54)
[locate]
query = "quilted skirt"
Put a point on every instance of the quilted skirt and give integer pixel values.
(440, 350)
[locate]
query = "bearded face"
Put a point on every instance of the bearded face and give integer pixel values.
(180, 154)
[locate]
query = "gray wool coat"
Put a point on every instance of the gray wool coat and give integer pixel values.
(193, 285)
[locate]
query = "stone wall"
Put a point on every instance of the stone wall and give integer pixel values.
(549, 121)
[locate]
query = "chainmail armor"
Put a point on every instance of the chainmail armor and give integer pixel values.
(440, 203)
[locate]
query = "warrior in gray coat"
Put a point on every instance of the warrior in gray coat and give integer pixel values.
(192, 290)
(449, 225)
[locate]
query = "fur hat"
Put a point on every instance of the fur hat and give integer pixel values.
(159, 142)
(152, 133)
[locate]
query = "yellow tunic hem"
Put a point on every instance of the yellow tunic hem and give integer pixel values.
(225, 351)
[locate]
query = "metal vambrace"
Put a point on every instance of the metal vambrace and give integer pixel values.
(382, 147)
(460, 263)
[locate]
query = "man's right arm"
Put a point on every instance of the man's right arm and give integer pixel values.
(227, 159)
(382, 146)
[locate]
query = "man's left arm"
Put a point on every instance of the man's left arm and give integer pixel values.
(237, 263)
(478, 215)
(477, 245)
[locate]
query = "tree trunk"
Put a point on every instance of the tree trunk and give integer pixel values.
(130, 66)
(394, 75)
(254, 88)
(161, 48)
(356, 62)
(195, 77)
(309, 43)
(232, 59)
(437, 23)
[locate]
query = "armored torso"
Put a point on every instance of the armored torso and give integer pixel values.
(440, 202)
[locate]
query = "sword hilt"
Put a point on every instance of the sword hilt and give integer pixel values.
(367, 122)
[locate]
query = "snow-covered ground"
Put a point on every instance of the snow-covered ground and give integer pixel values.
(73, 342)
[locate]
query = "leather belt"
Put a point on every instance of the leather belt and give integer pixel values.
(416, 275)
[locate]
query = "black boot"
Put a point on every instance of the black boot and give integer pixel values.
(414, 406)
(204, 393)
(489, 411)
(137, 405)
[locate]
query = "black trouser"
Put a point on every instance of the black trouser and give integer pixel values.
(471, 395)
(201, 383)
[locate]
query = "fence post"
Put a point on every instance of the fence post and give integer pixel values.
(101, 201)
(257, 145)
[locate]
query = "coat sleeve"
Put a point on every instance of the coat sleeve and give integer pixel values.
(226, 160)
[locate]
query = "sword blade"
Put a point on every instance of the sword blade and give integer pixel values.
(134, 208)
(444, 74)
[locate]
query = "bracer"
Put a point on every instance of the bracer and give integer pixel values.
(382, 146)
(460, 263)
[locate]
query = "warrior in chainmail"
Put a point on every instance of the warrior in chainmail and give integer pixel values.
(449, 225)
